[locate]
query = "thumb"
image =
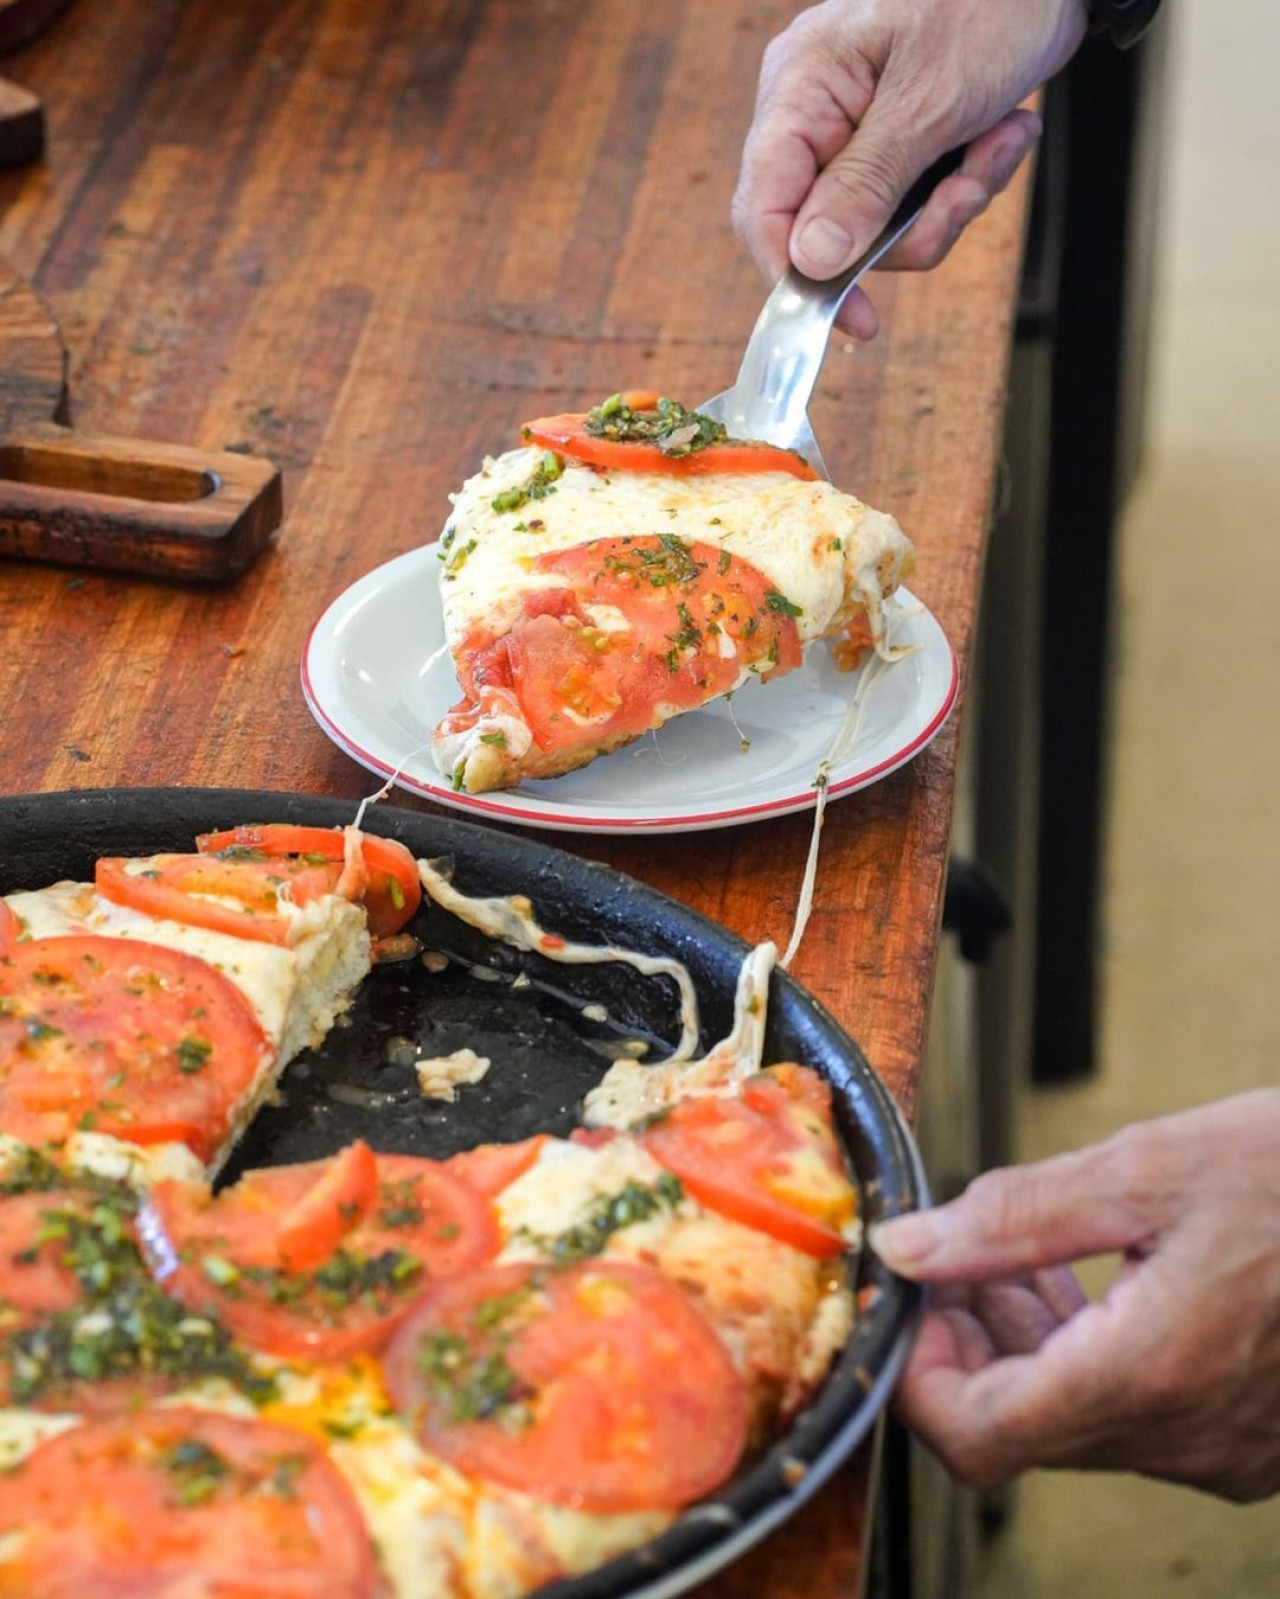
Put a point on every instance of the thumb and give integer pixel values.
(857, 191)
(1110, 1197)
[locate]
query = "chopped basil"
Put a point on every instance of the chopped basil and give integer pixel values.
(458, 559)
(344, 1278)
(542, 482)
(197, 1470)
(666, 563)
(634, 1202)
(400, 1206)
(220, 1271)
(671, 426)
(477, 1384)
(781, 604)
(193, 1055)
(125, 1324)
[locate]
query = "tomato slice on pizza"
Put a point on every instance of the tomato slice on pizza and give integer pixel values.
(174, 1502)
(391, 892)
(768, 1158)
(38, 1280)
(640, 431)
(116, 1036)
(489, 1168)
(250, 882)
(624, 569)
(320, 1260)
(600, 1387)
(246, 898)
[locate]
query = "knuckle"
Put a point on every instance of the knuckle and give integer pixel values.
(1003, 1203)
(870, 173)
(1141, 1161)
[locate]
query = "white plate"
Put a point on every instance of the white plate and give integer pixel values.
(369, 682)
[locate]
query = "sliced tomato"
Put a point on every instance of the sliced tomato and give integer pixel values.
(114, 1035)
(490, 1168)
(223, 1256)
(170, 1502)
(315, 1225)
(35, 1279)
(768, 1159)
(601, 1387)
(568, 435)
(10, 927)
(696, 617)
(240, 897)
(393, 892)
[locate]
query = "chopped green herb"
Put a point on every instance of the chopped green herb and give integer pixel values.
(781, 604)
(671, 426)
(220, 1271)
(634, 1202)
(193, 1055)
(197, 1471)
(131, 1324)
(498, 739)
(542, 482)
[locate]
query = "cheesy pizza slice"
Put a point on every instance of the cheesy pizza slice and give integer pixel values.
(145, 1017)
(632, 564)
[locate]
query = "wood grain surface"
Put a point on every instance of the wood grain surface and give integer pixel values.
(117, 505)
(368, 240)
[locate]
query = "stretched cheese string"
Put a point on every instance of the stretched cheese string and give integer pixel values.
(846, 738)
(630, 1091)
(422, 749)
(511, 920)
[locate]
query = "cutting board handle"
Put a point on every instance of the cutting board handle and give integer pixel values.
(156, 510)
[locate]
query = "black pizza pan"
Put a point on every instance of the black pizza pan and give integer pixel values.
(550, 1032)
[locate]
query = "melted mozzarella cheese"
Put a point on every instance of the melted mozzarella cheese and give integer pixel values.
(786, 527)
(632, 1090)
(562, 1187)
(439, 1075)
(832, 557)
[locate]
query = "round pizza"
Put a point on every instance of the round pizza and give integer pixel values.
(373, 1374)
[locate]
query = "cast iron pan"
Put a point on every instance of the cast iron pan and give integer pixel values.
(545, 1055)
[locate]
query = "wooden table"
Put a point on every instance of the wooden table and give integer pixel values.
(368, 240)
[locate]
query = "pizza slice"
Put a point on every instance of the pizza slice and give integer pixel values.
(632, 564)
(146, 1016)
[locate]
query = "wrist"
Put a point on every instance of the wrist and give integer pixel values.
(1124, 20)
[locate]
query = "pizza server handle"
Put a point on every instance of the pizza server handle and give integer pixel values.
(121, 505)
(770, 396)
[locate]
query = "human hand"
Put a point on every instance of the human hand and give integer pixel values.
(858, 97)
(1175, 1373)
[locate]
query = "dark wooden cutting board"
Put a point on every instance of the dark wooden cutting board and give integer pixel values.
(89, 499)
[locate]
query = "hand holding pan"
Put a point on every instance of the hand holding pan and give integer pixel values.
(87, 499)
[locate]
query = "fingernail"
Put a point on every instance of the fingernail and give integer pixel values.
(906, 1241)
(824, 246)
